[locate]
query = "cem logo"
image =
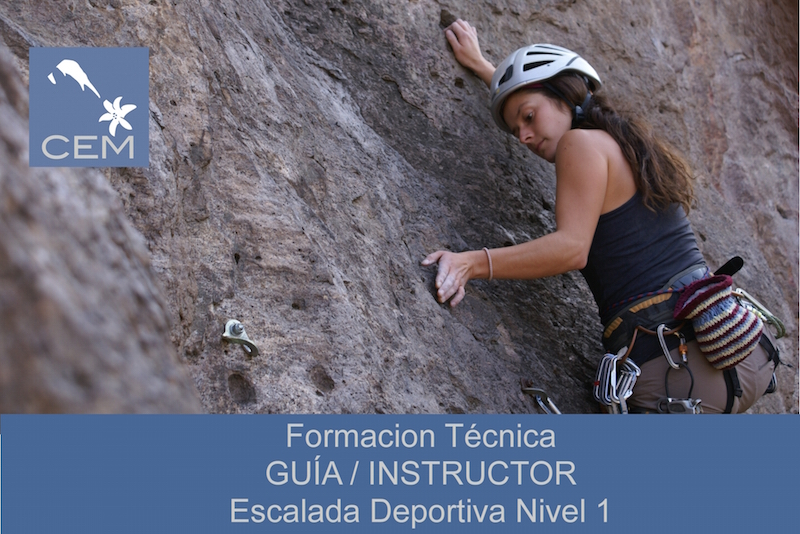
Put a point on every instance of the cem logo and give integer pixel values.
(89, 107)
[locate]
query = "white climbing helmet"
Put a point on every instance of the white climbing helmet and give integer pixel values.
(531, 64)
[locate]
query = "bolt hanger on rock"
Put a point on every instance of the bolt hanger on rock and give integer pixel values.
(234, 333)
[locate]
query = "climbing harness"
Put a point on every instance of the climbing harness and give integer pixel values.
(544, 401)
(234, 333)
(655, 310)
(613, 384)
(617, 374)
(640, 313)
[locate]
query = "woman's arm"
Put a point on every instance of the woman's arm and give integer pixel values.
(463, 38)
(581, 183)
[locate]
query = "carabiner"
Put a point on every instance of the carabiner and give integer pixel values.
(664, 348)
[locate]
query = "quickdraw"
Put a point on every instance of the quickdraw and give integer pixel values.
(613, 385)
(544, 401)
(746, 299)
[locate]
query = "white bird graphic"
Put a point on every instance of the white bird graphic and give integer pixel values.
(70, 68)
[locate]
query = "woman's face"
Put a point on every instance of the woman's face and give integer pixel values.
(538, 121)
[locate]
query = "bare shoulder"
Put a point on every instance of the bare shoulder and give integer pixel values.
(596, 142)
(583, 151)
(592, 155)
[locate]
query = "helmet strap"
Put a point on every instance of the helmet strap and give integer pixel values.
(578, 112)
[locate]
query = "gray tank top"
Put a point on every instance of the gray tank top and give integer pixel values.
(636, 251)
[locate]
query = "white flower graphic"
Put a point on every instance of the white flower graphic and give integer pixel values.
(116, 115)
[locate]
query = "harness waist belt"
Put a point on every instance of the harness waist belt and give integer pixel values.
(649, 312)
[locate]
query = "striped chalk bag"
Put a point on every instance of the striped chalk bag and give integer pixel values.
(726, 331)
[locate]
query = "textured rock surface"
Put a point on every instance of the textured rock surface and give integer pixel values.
(83, 326)
(306, 155)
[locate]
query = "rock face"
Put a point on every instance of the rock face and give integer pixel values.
(305, 156)
(83, 326)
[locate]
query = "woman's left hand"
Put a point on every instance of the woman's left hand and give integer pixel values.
(463, 39)
(455, 270)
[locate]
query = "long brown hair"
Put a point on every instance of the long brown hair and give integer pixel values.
(662, 175)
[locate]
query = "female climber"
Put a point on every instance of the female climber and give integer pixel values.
(622, 197)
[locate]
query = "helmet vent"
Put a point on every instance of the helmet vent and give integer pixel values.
(507, 75)
(535, 64)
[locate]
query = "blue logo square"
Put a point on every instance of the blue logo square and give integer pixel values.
(89, 107)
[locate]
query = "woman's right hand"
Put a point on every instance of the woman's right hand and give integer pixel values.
(454, 271)
(463, 38)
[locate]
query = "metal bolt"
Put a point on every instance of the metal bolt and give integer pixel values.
(237, 329)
